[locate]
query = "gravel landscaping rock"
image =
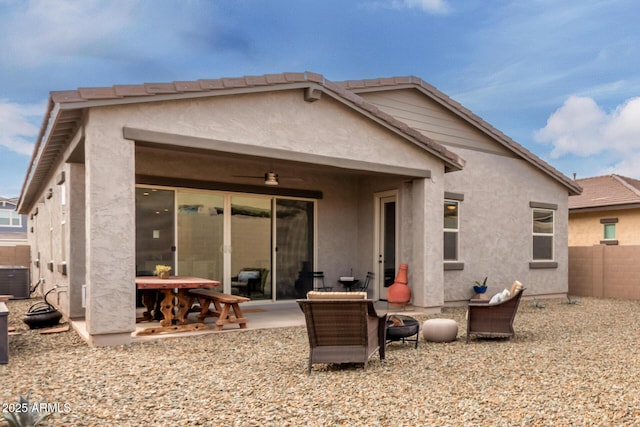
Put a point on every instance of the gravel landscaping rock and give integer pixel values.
(569, 364)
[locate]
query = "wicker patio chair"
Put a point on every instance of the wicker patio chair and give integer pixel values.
(493, 320)
(342, 329)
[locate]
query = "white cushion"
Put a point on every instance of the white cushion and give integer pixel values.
(500, 296)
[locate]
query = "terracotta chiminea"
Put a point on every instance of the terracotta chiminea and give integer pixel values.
(399, 294)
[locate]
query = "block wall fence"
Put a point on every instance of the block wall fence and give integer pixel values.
(605, 271)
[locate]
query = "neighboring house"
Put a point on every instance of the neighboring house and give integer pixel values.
(13, 226)
(13, 234)
(274, 176)
(607, 212)
(604, 238)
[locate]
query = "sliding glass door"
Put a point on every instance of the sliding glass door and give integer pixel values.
(294, 247)
(257, 246)
(251, 246)
(200, 234)
(155, 230)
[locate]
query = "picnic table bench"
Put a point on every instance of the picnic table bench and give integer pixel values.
(223, 303)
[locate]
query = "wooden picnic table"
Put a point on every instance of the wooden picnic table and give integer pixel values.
(176, 296)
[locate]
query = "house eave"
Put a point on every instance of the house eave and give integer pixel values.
(605, 208)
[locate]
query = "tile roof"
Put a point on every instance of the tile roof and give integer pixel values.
(455, 107)
(606, 191)
(64, 113)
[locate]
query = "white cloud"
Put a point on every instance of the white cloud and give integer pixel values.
(38, 31)
(574, 128)
(17, 123)
(582, 128)
(438, 7)
(626, 167)
(431, 6)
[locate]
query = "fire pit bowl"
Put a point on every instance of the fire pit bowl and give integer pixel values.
(42, 314)
(409, 328)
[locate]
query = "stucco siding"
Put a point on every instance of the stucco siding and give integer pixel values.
(49, 242)
(496, 226)
(110, 223)
(585, 228)
(279, 120)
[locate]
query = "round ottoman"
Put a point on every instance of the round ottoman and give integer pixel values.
(440, 330)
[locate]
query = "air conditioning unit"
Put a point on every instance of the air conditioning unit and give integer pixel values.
(14, 280)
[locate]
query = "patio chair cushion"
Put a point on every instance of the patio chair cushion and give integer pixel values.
(500, 296)
(515, 287)
(336, 295)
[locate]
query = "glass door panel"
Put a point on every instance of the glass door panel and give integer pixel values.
(251, 247)
(200, 235)
(154, 230)
(294, 248)
(386, 245)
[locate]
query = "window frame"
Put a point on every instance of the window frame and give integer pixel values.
(608, 223)
(535, 234)
(13, 215)
(455, 231)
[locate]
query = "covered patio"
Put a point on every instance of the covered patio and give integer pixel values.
(235, 180)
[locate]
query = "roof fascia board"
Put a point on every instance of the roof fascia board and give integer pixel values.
(605, 208)
(143, 135)
(51, 119)
(185, 95)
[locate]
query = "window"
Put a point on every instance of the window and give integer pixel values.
(451, 229)
(609, 231)
(10, 219)
(542, 235)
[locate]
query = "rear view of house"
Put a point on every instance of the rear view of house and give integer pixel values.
(259, 181)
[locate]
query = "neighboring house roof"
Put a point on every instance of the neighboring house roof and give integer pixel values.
(606, 192)
(65, 110)
(10, 200)
(394, 83)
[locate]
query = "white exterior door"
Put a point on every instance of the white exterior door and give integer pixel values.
(386, 237)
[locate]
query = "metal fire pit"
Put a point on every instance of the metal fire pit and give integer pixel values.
(402, 333)
(42, 314)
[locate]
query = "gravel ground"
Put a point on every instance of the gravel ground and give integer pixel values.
(570, 364)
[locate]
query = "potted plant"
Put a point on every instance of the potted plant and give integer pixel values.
(480, 288)
(162, 271)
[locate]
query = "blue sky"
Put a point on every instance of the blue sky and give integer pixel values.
(559, 77)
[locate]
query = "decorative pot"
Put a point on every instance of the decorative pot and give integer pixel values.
(163, 275)
(399, 294)
(479, 289)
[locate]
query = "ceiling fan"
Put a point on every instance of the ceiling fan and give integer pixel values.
(270, 178)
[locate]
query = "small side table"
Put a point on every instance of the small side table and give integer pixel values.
(348, 285)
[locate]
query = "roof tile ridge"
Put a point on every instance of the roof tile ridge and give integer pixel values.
(622, 180)
(594, 177)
